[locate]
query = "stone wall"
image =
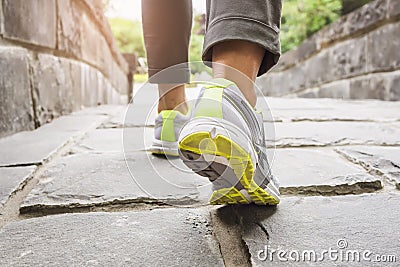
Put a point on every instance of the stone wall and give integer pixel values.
(357, 57)
(56, 56)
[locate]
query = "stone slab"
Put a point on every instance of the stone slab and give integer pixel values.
(89, 179)
(380, 160)
(320, 172)
(118, 140)
(33, 22)
(300, 109)
(69, 27)
(12, 180)
(334, 133)
(353, 223)
(35, 147)
(16, 113)
(166, 237)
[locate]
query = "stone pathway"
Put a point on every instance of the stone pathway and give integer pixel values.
(82, 191)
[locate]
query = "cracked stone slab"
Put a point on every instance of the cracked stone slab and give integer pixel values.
(335, 133)
(320, 172)
(354, 223)
(13, 179)
(302, 109)
(100, 179)
(35, 147)
(163, 237)
(117, 139)
(383, 161)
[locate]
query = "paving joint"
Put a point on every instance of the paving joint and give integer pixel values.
(10, 211)
(387, 184)
(35, 212)
(227, 229)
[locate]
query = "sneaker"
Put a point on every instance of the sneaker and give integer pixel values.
(168, 124)
(225, 141)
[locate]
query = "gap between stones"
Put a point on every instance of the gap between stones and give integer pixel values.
(227, 230)
(387, 184)
(10, 211)
(110, 206)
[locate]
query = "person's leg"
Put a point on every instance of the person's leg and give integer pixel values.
(166, 27)
(243, 35)
(242, 56)
(172, 96)
(225, 140)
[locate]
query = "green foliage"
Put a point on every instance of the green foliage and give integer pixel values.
(195, 52)
(129, 35)
(302, 18)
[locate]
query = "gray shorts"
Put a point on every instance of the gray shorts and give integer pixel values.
(167, 27)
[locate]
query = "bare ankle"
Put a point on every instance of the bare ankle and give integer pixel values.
(172, 97)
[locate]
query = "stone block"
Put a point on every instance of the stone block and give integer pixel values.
(296, 78)
(306, 48)
(16, 112)
(76, 83)
(101, 89)
(367, 16)
(33, 22)
(332, 32)
(89, 86)
(13, 179)
(348, 59)
(368, 87)
(393, 86)
(383, 48)
(53, 91)
(119, 79)
(69, 27)
(393, 9)
(318, 69)
(90, 46)
(339, 89)
(141, 238)
(105, 59)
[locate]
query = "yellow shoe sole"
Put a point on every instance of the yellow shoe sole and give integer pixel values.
(198, 144)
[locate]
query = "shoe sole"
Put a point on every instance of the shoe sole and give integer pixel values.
(164, 148)
(240, 165)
